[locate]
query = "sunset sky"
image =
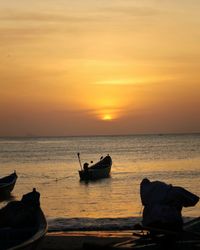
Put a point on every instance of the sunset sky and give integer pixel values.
(88, 67)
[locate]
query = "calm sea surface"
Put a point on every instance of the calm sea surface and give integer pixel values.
(51, 165)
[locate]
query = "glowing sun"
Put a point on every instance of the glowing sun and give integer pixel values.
(107, 117)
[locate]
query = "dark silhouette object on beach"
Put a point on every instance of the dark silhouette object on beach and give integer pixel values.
(162, 225)
(22, 223)
(163, 204)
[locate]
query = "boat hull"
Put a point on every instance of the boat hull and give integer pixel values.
(97, 171)
(7, 184)
(188, 239)
(17, 233)
(93, 174)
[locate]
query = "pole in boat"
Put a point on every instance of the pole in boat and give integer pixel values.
(78, 154)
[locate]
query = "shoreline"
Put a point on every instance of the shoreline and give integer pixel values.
(76, 239)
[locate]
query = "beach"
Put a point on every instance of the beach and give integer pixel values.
(77, 240)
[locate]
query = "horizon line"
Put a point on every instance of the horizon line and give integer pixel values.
(103, 135)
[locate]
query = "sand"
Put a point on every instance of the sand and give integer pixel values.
(76, 240)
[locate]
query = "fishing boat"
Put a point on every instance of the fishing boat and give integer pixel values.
(22, 223)
(187, 239)
(142, 238)
(99, 170)
(7, 184)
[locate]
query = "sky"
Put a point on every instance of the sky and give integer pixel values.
(97, 67)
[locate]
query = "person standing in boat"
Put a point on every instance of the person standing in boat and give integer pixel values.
(86, 166)
(163, 204)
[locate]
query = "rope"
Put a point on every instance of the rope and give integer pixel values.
(58, 179)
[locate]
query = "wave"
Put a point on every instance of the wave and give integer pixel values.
(91, 224)
(95, 224)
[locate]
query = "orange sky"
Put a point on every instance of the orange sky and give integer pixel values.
(99, 67)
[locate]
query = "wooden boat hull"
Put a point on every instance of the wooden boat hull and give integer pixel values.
(30, 242)
(188, 239)
(94, 174)
(7, 184)
(97, 171)
(23, 236)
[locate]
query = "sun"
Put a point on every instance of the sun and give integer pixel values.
(107, 117)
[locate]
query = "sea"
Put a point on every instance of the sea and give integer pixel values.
(50, 164)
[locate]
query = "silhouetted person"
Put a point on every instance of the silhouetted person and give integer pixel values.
(163, 204)
(85, 166)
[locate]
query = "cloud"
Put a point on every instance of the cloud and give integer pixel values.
(23, 35)
(97, 13)
(138, 82)
(132, 11)
(18, 24)
(120, 82)
(40, 17)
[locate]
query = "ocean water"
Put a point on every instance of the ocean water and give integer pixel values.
(51, 165)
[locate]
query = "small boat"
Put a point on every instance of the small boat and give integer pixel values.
(187, 239)
(142, 239)
(7, 184)
(99, 170)
(22, 223)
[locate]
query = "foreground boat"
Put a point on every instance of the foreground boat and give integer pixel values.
(7, 184)
(99, 170)
(22, 223)
(188, 239)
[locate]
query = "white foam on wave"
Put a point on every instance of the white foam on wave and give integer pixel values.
(95, 224)
(92, 224)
